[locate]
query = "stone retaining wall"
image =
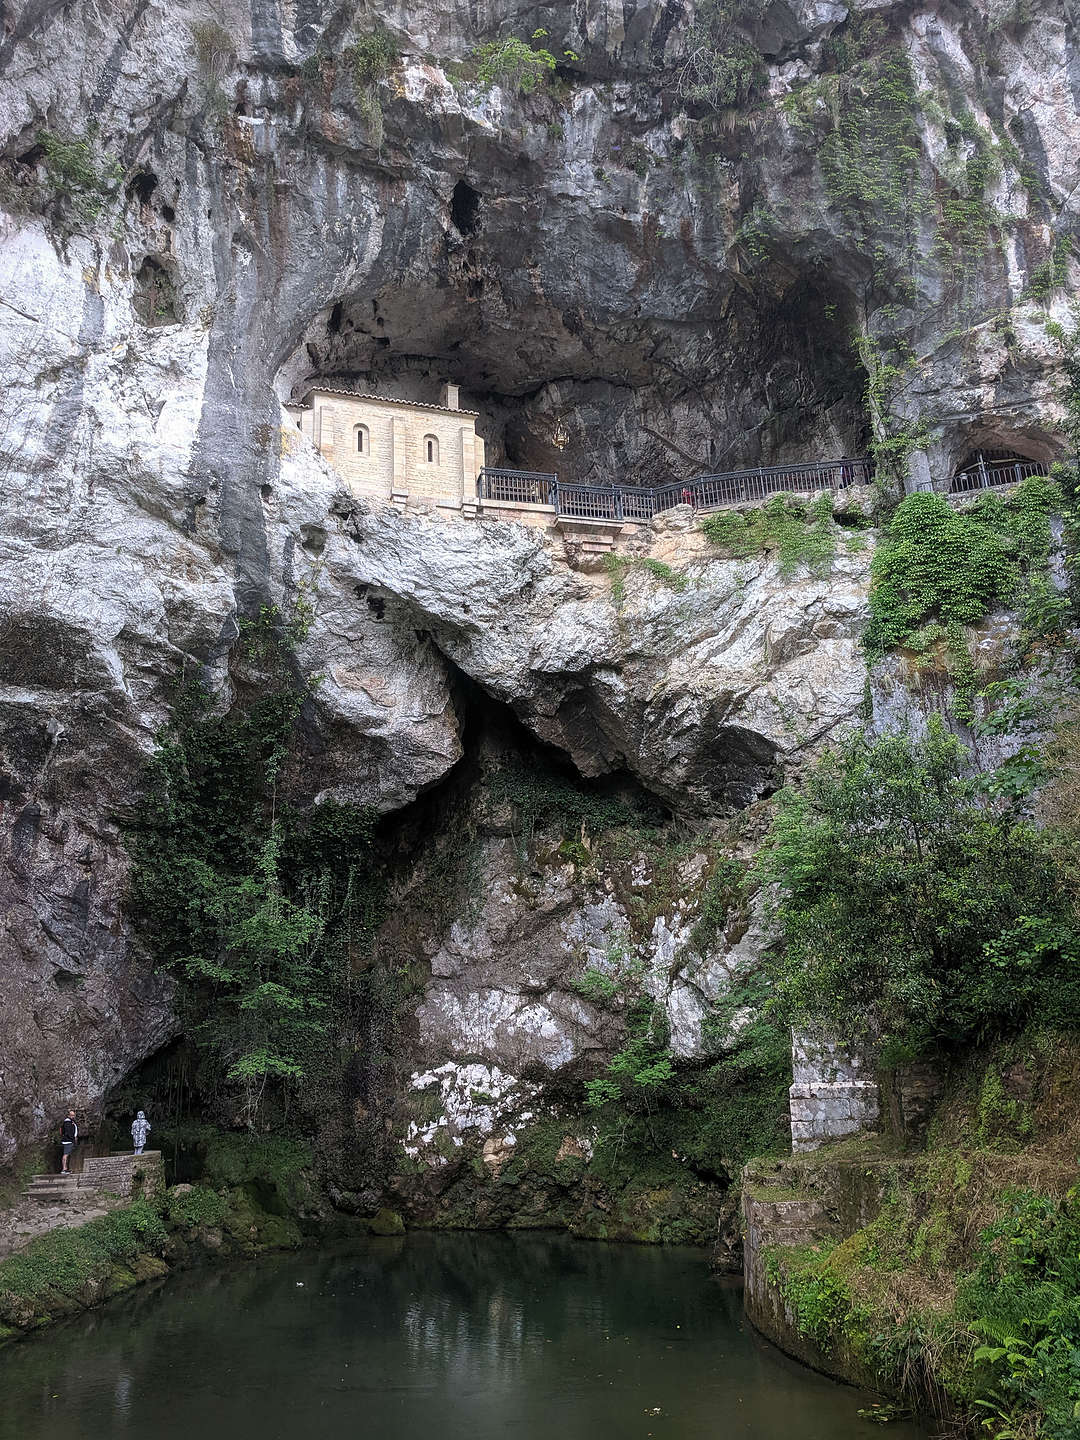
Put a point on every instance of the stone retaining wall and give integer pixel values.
(128, 1174)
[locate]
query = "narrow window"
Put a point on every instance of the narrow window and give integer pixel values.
(363, 442)
(431, 449)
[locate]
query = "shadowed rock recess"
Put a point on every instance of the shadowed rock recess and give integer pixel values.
(718, 237)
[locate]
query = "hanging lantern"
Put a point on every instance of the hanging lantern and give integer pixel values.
(559, 437)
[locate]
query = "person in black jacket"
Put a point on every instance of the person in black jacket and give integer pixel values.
(69, 1133)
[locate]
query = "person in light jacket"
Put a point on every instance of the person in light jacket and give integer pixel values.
(140, 1128)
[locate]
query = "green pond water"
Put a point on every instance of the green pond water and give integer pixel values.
(427, 1337)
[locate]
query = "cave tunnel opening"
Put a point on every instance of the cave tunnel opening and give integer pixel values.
(496, 742)
(990, 466)
(465, 205)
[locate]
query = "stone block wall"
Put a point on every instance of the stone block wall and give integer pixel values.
(834, 1093)
(129, 1174)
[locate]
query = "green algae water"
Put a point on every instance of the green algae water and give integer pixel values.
(427, 1337)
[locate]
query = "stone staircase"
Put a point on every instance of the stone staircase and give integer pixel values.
(59, 1189)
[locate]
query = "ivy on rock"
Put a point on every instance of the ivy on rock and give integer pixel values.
(260, 909)
(936, 563)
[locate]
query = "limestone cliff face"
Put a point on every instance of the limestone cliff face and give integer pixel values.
(235, 213)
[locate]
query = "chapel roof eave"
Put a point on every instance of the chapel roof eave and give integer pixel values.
(305, 402)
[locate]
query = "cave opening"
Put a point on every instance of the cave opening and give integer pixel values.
(766, 375)
(142, 186)
(465, 205)
(990, 466)
(155, 299)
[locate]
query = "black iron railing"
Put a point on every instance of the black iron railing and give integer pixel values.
(518, 487)
(988, 473)
(705, 492)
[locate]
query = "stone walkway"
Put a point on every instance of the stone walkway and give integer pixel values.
(28, 1219)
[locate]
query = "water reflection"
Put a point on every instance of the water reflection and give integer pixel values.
(462, 1336)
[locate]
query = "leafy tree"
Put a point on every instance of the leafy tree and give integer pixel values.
(640, 1074)
(263, 972)
(910, 907)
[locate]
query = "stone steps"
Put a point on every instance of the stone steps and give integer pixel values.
(59, 1189)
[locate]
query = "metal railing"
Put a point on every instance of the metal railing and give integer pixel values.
(518, 487)
(705, 492)
(989, 473)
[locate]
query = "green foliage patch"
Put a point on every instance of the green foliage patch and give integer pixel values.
(722, 68)
(819, 1300)
(541, 799)
(799, 534)
(1023, 1301)
(618, 565)
(78, 176)
(370, 60)
(934, 562)
(64, 1262)
(908, 907)
(514, 64)
(967, 1278)
(259, 909)
(870, 158)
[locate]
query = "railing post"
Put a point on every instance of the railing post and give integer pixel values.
(554, 493)
(618, 497)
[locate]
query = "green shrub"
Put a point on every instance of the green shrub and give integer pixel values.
(819, 1300)
(617, 566)
(197, 1207)
(75, 173)
(935, 563)
(368, 61)
(639, 1074)
(542, 798)
(514, 64)
(596, 986)
(371, 58)
(800, 534)
(910, 908)
(1023, 1301)
(722, 69)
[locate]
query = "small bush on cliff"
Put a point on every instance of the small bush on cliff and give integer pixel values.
(799, 534)
(722, 68)
(515, 65)
(369, 60)
(909, 907)
(78, 177)
(641, 1071)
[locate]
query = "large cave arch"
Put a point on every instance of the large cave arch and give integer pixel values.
(747, 376)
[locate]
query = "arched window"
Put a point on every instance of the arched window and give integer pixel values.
(431, 449)
(363, 440)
